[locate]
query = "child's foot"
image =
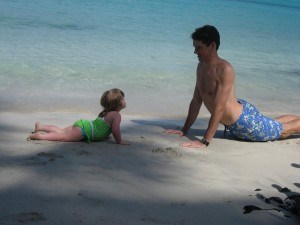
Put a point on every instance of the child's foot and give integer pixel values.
(33, 136)
(37, 126)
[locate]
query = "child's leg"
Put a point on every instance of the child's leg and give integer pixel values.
(71, 135)
(47, 128)
(67, 129)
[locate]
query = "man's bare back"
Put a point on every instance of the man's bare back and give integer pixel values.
(209, 77)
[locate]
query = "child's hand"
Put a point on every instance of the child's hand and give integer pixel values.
(124, 143)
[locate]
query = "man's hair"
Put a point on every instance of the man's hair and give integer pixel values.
(207, 34)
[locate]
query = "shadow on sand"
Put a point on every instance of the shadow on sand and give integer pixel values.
(103, 183)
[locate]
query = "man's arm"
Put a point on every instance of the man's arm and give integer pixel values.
(226, 80)
(225, 85)
(193, 112)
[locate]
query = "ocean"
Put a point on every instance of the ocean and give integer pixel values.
(61, 55)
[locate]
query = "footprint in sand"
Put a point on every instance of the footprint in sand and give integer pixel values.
(30, 217)
(22, 218)
(43, 158)
(169, 152)
(153, 220)
(178, 204)
(81, 152)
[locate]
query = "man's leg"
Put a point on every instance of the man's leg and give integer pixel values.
(291, 125)
(286, 118)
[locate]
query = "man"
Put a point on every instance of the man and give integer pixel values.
(215, 88)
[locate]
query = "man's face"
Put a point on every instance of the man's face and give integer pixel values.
(201, 50)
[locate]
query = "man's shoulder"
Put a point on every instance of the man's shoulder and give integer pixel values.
(225, 64)
(225, 67)
(225, 70)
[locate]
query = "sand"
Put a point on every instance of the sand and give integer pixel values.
(151, 181)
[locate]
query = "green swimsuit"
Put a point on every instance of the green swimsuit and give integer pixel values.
(95, 130)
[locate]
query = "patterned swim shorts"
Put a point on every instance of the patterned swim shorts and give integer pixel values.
(253, 126)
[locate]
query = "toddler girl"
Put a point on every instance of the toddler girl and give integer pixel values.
(107, 122)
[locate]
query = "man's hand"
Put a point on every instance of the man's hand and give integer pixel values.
(193, 144)
(179, 132)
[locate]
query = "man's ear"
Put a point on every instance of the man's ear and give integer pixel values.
(213, 45)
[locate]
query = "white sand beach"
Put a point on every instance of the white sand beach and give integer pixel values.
(57, 59)
(151, 181)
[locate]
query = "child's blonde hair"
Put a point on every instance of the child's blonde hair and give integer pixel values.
(111, 101)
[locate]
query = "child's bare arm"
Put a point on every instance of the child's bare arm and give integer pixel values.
(116, 130)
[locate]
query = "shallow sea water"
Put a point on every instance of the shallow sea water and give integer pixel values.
(62, 55)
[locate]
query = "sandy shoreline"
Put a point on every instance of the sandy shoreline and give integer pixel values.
(151, 181)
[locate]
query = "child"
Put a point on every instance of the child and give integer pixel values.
(107, 122)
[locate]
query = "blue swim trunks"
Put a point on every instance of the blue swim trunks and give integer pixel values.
(253, 126)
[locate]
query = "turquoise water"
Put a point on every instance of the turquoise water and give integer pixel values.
(60, 55)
